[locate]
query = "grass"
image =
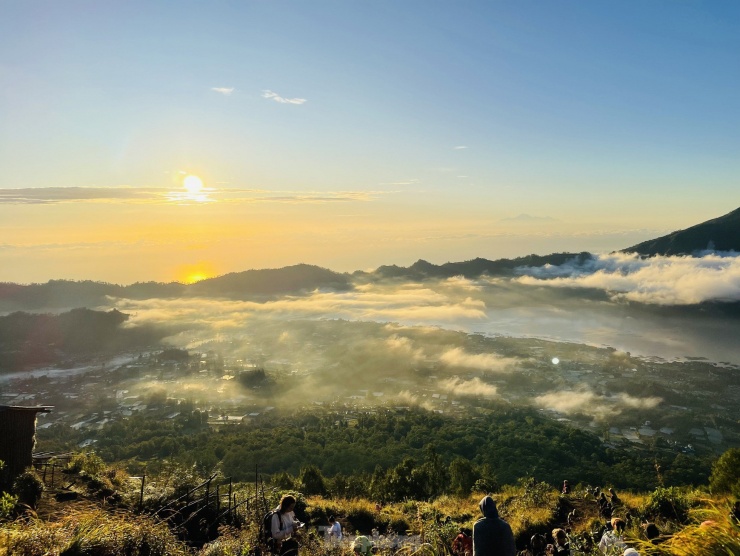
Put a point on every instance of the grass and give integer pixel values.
(95, 533)
(85, 529)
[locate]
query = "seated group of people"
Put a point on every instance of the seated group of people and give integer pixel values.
(491, 534)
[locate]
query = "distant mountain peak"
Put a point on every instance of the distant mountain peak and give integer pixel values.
(718, 234)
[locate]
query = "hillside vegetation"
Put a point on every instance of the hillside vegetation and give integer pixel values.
(101, 510)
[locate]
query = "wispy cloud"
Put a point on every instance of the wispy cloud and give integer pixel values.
(657, 280)
(46, 195)
(413, 181)
(460, 147)
(226, 91)
(491, 362)
(155, 195)
(474, 387)
(594, 405)
(282, 100)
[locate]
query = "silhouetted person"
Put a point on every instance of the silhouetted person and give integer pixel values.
(562, 545)
(605, 508)
(652, 533)
(566, 488)
(492, 536)
(614, 499)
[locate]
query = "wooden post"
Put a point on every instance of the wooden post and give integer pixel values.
(53, 468)
(141, 495)
(208, 491)
(218, 499)
(230, 485)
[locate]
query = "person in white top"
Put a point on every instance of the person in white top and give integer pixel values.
(335, 529)
(614, 537)
(284, 525)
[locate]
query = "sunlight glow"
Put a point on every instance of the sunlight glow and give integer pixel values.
(193, 184)
(555, 360)
(196, 277)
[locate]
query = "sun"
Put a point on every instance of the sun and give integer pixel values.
(193, 184)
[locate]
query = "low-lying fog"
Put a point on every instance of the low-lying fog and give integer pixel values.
(614, 300)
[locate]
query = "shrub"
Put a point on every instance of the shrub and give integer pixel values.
(399, 525)
(8, 503)
(361, 519)
(668, 503)
(28, 487)
(86, 464)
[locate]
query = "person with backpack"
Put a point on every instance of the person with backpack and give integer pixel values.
(283, 525)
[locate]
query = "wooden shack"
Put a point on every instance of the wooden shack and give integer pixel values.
(17, 439)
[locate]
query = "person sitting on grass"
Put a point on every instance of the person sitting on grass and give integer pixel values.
(362, 546)
(613, 538)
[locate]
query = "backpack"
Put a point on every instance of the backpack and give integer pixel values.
(267, 526)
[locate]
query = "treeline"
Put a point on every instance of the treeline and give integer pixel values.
(391, 454)
(28, 339)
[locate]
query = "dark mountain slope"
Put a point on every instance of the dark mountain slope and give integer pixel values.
(422, 270)
(721, 234)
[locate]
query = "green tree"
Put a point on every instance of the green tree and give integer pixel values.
(311, 481)
(725, 475)
(462, 476)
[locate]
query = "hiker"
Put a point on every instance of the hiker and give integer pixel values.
(605, 508)
(492, 536)
(537, 546)
(735, 513)
(335, 529)
(566, 488)
(614, 499)
(652, 533)
(562, 546)
(463, 543)
(613, 537)
(284, 525)
(362, 546)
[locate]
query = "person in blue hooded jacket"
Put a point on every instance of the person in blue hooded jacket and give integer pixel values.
(492, 536)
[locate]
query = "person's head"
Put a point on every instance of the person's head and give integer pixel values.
(488, 507)
(618, 525)
(287, 503)
(631, 552)
(652, 531)
(560, 537)
(332, 519)
(538, 543)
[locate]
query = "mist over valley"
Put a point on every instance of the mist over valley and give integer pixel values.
(638, 351)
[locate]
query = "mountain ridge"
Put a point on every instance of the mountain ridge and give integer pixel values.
(718, 234)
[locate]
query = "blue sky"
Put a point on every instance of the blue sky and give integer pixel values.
(610, 122)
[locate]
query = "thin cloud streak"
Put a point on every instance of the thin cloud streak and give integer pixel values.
(282, 100)
(226, 91)
(156, 195)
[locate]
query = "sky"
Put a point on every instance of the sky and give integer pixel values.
(350, 134)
